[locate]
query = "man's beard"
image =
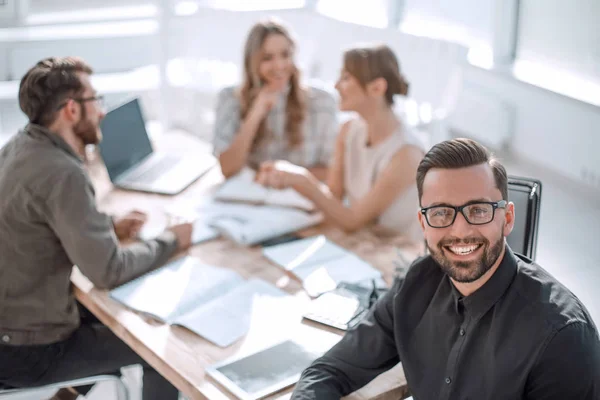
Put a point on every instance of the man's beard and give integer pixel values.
(86, 130)
(463, 271)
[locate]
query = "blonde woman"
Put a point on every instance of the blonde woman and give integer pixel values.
(376, 155)
(271, 116)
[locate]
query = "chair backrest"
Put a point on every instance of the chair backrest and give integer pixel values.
(526, 194)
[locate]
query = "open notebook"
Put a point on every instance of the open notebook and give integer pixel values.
(216, 303)
(320, 264)
(243, 188)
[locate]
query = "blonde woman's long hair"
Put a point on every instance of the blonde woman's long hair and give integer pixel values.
(296, 105)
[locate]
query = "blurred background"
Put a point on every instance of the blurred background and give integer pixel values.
(521, 76)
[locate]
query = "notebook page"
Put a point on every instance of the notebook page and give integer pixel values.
(299, 253)
(241, 187)
(228, 317)
(288, 198)
(324, 277)
(176, 288)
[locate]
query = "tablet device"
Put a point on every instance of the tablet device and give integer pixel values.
(265, 372)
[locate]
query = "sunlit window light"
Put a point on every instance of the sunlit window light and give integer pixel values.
(558, 80)
(252, 5)
(480, 51)
(370, 13)
(481, 56)
(186, 8)
(100, 29)
(92, 14)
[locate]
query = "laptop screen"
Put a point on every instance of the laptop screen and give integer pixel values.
(125, 141)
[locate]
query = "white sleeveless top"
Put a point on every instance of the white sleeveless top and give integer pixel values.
(362, 166)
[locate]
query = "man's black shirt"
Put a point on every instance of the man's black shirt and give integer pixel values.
(522, 335)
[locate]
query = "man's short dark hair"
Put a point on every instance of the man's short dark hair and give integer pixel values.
(461, 153)
(48, 84)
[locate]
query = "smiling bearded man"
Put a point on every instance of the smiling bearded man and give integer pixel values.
(472, 320)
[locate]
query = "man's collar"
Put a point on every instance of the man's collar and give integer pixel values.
(479, 302)
(41, 132)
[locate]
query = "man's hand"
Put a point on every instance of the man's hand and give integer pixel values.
(183, 232)
(128, 226)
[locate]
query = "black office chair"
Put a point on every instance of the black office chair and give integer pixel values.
(526, 194)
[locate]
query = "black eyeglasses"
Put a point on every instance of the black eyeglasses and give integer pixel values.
(99, 99)
(479, 213)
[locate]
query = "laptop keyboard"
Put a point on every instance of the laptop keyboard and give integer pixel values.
(152, 172)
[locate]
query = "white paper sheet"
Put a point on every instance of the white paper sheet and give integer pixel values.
(320, 264)
(201, 231)
(176, 288)
(228, 317)
(312, 250)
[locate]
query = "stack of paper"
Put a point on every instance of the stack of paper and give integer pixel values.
(243, 188)
(216, 303)
(249, 225)
(245, 224)
(320, 264)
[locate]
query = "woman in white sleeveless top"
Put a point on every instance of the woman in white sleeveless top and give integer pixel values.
(376, 155)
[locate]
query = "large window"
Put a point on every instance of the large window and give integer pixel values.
(44, 6)
(44, 12)
(251, 5)
(7, 10)
(561, 34)
(372, 12)
(468, 22)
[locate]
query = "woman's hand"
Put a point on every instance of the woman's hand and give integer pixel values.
(264, 102)
(282, 174)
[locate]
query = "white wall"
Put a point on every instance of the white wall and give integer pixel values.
(549, 129)
(561, 33)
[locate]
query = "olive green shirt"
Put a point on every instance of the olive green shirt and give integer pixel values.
(48, 223)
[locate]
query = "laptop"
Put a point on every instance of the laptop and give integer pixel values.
(133, 164)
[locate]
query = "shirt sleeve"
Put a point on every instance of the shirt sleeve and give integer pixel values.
(227, 120)
(569, 367)
(89, 240)
(328, 126)
(364, 352)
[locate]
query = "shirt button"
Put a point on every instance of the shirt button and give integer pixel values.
(6, 338)
(448, 380)
(462, 332)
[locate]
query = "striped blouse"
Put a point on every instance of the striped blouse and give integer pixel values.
(320, 129)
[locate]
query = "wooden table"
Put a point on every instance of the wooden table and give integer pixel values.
(182, 356)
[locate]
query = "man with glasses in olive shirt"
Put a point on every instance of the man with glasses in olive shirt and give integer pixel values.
(472, 320)
(48, 223)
